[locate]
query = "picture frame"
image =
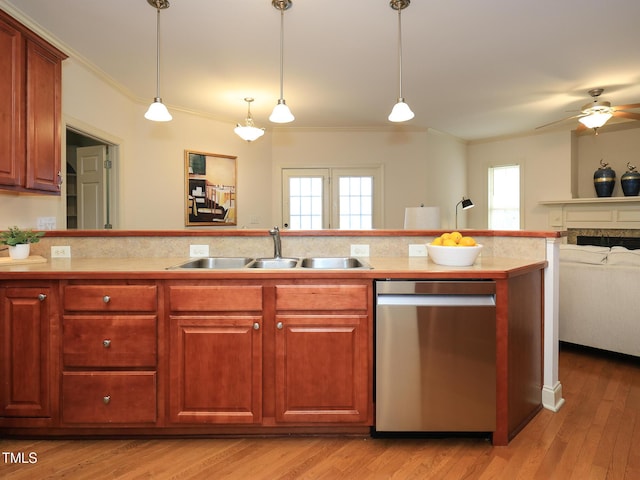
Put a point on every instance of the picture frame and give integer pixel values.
(210, 189)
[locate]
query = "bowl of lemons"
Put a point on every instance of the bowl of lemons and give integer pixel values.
(452, 249)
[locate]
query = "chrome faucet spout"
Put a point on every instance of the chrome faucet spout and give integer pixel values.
(277, 244)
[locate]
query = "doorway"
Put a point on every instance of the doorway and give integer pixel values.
(90, 190)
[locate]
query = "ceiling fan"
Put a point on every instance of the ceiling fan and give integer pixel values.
(596, 113)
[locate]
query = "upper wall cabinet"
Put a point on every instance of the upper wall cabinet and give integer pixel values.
(30, 110)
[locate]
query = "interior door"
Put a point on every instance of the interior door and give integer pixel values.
(90, 169)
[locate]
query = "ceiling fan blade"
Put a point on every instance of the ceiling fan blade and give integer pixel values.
(558, 121)
(629, 115)
(627, 107)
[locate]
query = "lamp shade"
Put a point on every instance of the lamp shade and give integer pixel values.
(422, 218)
(248, 132)
(157, 111)
(466, 203)
(281, 113)
(401, 112)
(596, 119)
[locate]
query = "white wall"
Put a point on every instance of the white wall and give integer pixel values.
(419, 166)
(545, 162)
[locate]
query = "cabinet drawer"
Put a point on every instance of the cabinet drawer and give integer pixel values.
(215, 298)
(107, 298)
(321, 297)
(109, 397)
(109, 341)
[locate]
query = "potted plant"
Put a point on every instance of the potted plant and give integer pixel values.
(19, 241)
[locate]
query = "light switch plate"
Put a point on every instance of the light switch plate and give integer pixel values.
(359, 250)
(61, 251)
(417, 250)
(198, 250)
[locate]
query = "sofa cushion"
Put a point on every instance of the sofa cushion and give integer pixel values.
(591, 254)
(623, 256)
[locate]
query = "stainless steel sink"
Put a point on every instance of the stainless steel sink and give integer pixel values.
(274, 263)
(333, 263)
(214, 263)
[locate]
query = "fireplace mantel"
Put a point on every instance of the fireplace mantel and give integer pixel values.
(600, 213)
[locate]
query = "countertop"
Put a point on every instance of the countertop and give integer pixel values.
(157, 268)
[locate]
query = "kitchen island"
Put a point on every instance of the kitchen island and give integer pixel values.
(127, 346)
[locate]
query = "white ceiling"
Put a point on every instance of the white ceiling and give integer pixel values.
(474, 69)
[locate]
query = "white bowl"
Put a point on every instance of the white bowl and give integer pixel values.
(460, 256)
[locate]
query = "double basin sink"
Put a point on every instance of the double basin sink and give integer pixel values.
(328, 263)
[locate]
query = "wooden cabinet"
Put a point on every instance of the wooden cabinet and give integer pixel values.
(30, 110)
(323, 356)
(109, 354)
(215, 354)
(27, 312)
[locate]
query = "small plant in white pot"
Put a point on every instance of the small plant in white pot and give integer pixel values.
(19, 241)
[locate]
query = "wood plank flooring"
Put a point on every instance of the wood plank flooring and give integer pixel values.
(596, 435)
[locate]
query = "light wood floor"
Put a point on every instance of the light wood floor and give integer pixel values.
(596, 435)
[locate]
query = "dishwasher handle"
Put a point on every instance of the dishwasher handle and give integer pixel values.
(439, 300)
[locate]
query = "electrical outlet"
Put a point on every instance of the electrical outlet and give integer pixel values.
(61, 251)
(417, 250)
(359, 250)
(46, 223)
(198, 250)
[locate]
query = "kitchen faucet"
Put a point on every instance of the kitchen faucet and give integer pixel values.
(277, 244)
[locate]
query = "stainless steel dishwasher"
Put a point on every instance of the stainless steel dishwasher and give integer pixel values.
(435, 356)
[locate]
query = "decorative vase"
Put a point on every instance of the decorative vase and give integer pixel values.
(20, 251)
(604, 179)
(630, 181)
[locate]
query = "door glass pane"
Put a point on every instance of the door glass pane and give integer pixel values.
(305, 203)
(504, 197)
(356, 203)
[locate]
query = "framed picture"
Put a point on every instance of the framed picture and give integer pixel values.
(210, 189)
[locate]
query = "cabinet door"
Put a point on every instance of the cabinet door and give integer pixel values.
(25, 351)
(11, 105)
(44, 73)
(322, 368)
(216, 369)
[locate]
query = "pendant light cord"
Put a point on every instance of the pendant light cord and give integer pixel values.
(158, 53)
(282, 54)
(400, 51)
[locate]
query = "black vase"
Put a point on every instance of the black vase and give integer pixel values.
(630, 181)
(604, 179)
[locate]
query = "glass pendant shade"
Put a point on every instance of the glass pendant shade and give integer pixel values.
(401, 112)
(596, 119)
(281, 113)
(248, 133)
(158, 112)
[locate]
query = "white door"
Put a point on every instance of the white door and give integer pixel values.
(90, 189)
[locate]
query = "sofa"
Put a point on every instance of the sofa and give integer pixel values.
(599, 297)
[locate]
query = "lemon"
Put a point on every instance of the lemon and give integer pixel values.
(456, 236)
(467, 242)
(437, 241)
(445, 236)
(449, 242)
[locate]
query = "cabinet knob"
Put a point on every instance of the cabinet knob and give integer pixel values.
(106, 343)
(42, 297)
(279, 325)
(256, 326)
(106, 399)
(106, 299)
(59, 179)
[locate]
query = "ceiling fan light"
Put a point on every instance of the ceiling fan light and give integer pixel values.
(401, 112)
(596, 119)
(158, 112)
(281, 113)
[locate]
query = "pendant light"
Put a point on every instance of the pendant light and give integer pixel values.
(248, 131)
(401, 111)
(281, 112)
(157, 111)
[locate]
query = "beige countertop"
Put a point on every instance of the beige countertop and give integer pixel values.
(157, 268)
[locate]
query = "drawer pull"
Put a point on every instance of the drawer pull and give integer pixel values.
(279, 325)
(42, 297)
(256, 326)
(106, 399)
(106, 299)
(106, 343)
